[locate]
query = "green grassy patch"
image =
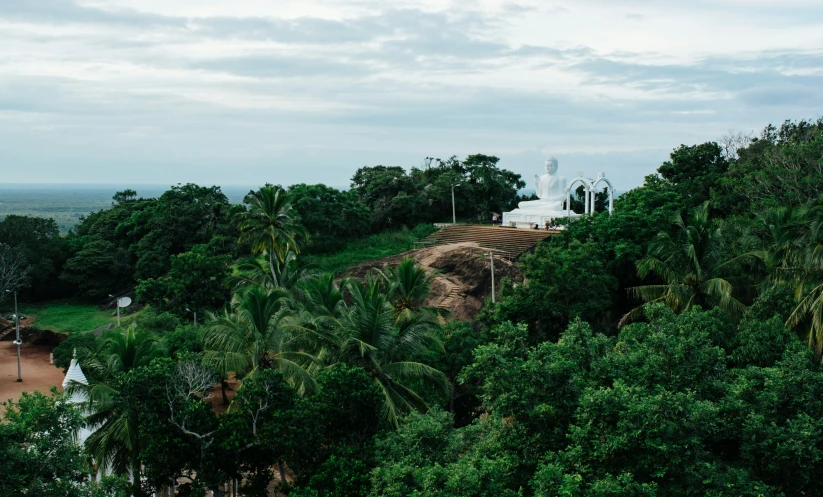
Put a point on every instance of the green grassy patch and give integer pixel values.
(71, 315)
(374, 247)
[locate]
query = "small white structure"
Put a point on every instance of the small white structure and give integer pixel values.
(77, 396)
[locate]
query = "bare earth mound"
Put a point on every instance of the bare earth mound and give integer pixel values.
(463, 280)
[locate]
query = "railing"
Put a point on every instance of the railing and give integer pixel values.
(502, 253)
(423, 244)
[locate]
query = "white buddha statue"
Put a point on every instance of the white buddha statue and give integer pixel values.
(550, 189)
(551, 194)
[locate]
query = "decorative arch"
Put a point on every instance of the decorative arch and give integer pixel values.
(602, 177)
(588, 185)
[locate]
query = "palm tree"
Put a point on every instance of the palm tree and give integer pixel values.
(285, 275)
(371, 335)
(782, 236)
(271, 225)
(791, 242)
(260, 331)
(692, 265)
(114, 443)
(407, 285)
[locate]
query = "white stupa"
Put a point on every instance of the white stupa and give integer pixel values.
(78, 395)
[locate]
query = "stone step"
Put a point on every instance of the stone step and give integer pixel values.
(513, 241)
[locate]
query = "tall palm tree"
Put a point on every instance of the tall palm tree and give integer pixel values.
(791, 247)
(407, 285)
(271, 225)
(693, 265)
(260, 332)
(371, 335)
(781, 236)
(114, 443)
(285, 275)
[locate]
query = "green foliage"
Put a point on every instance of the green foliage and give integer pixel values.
(694, 171)
(258, 431)
(694, 265)
(135, 239)
(687, 404)
(271, 225)
(330, 216)
(116, 441)
(197, 282)
(97, 268)
(781, 168)
(614, 244)
(259, 333)
(563, 283)
(427, 457)
(184, 340)
(45, 252)
(38, 454)
(336, 429)
(397, 199)
(64, 352)
(373, 247)
(153, 322)
(372, 335)
(460, 339)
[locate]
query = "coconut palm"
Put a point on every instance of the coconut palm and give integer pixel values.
(693, 266)
(407, 285)
(781, 236)
(260, 332)
(271, 225)
(285, 275)
(371, 335)
(791, 241)
(114, 443)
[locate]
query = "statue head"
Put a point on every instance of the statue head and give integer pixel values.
(551, 165)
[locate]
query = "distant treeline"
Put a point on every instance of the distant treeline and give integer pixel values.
(111, 250)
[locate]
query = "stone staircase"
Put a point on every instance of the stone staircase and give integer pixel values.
(6, 328)
(510, 242)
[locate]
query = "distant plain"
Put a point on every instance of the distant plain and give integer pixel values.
(67, 203)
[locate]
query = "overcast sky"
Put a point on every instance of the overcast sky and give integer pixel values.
(250, 91)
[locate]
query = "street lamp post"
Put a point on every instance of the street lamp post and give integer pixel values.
(17, 342)
(195, 315)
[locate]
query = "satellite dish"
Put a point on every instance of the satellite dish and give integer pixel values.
(123, 302)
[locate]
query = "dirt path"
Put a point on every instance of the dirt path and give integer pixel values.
(37, 373)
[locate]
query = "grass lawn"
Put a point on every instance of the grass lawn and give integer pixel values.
(367, 249)
(70, 315)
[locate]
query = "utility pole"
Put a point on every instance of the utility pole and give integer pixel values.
(17, 342)
(117, 304)
(491, 258)
(454, 215)
(195, 315)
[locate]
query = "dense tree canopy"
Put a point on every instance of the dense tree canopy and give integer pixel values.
(711, 385)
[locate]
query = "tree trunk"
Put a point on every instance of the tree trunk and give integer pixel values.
(223, 385)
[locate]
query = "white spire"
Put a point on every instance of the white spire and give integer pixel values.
(74, 373)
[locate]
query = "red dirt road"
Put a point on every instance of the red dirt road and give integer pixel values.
(37, 373)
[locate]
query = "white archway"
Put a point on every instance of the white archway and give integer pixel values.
(602, 177)
(589, 195)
